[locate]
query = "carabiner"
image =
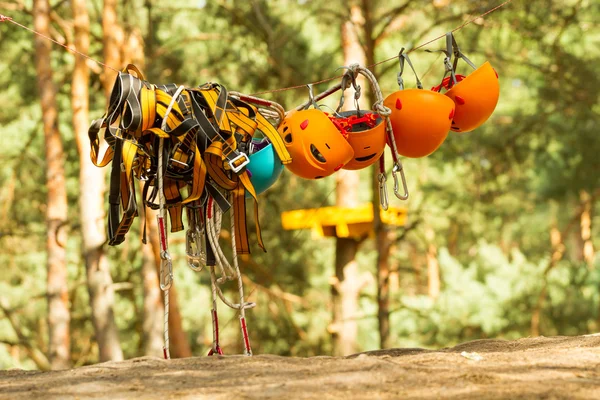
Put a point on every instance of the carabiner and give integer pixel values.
(383, 193)
(196, 256)
(398, 168)
(166, 277)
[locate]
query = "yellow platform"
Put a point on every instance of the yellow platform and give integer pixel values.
(341, 222)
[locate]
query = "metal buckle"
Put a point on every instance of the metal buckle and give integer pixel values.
(242, 165)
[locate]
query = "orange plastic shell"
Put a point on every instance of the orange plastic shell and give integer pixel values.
(476, 97)
(317, 148)
(368, 143)
(420, 119)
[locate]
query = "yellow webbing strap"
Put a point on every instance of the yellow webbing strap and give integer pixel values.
(214, 161)
(173, 120)
(94, 135)
(238, 185)
(269, 131)
(131, 67)
(246, 184)
(211, 96)
(118, 229)
(148, 100)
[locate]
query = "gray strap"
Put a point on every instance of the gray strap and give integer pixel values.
(457, 53)
(350, 78)
(401, 58)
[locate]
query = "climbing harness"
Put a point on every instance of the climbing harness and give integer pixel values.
(191, 147)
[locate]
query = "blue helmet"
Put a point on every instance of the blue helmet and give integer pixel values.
(264, 166)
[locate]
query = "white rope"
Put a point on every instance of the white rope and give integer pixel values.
(243, 305)
(213, 228)
(166, 277)
(213, 225)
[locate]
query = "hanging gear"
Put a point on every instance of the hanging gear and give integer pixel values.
(420, 118)
(475, 95)
(264, 167)
(316, 146)
(365, 132)
(206, 138)
(343, 124)
(189, 145)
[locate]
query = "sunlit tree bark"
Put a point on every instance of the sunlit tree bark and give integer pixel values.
(91, 201)
(347, 282)
(56, 208)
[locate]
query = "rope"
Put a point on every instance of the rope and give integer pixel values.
(213, 225)
(4, 18)
(391, 58)
(166, 277)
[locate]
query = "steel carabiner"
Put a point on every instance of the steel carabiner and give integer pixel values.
(398, 168)
(196, 256)
(383, 193)
(166, 274)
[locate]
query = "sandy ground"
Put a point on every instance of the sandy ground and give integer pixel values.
(535, 368)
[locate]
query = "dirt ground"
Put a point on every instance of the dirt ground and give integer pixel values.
(533, 368)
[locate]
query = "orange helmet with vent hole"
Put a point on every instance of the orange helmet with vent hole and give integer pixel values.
(475, 97)
(316, 146)
(420, 119)
(366, 134)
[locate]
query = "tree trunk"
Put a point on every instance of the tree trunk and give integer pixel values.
(433, 266)
(152, 324)
(586, 227)
(347, 283)
(113, 38)
(180, 346)
(383, 235)
(91, 202)
(433, 272)
(59, 352)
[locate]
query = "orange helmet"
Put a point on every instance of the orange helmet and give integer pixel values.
(420, 120)
(475, 96)
(366, 135)
(317, 148)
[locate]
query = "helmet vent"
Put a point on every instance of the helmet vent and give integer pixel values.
(317, 154)
(288, 138)
(365, 158)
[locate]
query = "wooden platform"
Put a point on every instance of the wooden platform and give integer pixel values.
(341, 221)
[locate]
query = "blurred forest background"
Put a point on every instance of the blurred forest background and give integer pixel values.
(501, 238)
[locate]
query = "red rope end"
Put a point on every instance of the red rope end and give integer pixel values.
(4, 18)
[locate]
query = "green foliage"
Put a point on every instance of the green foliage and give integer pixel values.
(490, 196)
